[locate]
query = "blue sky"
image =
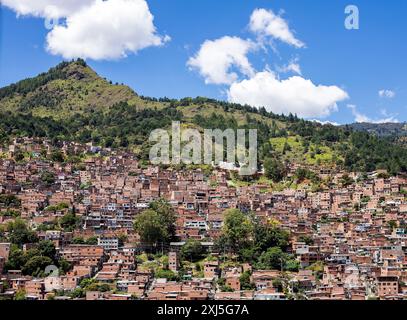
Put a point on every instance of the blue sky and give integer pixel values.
(358, 62)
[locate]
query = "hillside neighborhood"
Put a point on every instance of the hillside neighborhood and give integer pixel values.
(77, 223)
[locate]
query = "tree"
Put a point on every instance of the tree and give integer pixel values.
(278, 284)
(392, 224)
(166, 274)
(274, 258)
(48, 178)
(36, 265)
(156, 224)
(301, 174)
(86, 283)
(245, 283)
(346, 181)
(226, 288)
(274, 169)
(192, 250)
(166, 212)
(47, 249)
(317, 268)
(16, 259)
(64, 266)
(59, 207)
(249, 253)
(92, 241)
(19, 233)
(91, 285)
(286, 147)
(237, 230)
(104, 287)
(10, 213)
(307, 240)
(69, 221)
(78, 240)
(149, 225)
(9, 201)
(292, 265)
(19, 156)
(268, 236)
(77, 293)
(20, 295)
(122, 239)
(57, 156)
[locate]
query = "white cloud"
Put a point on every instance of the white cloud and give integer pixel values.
(361, 118)
(95, 29)
(295, 94)
(225, 61)
(216, 58)
(105, 30)
(292, 66)
(387, 94)
(265, 23)
(46, 8)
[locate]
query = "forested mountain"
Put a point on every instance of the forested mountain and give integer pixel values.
(71, 102)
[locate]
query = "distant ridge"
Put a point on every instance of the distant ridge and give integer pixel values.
(382, 129)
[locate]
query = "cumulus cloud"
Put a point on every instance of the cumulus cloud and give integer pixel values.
(294, 95)
(362, 118)
(46, 8)
(94, 29)
(216, 58)
(387, 94)
(225, 62)
(105, 30)
(265, 23)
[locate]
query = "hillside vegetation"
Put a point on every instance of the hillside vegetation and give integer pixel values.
(71, 102)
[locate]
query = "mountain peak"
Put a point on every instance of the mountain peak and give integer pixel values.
(77, 70)
(68, 87)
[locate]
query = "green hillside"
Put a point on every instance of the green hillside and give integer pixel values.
(71, 102)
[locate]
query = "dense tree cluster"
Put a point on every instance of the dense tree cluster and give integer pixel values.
(362, 151)
(192, 251)
(120, 126)
(32, 261)
(19, 233)
(264, 245)
(156, 225)
(9, 201)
